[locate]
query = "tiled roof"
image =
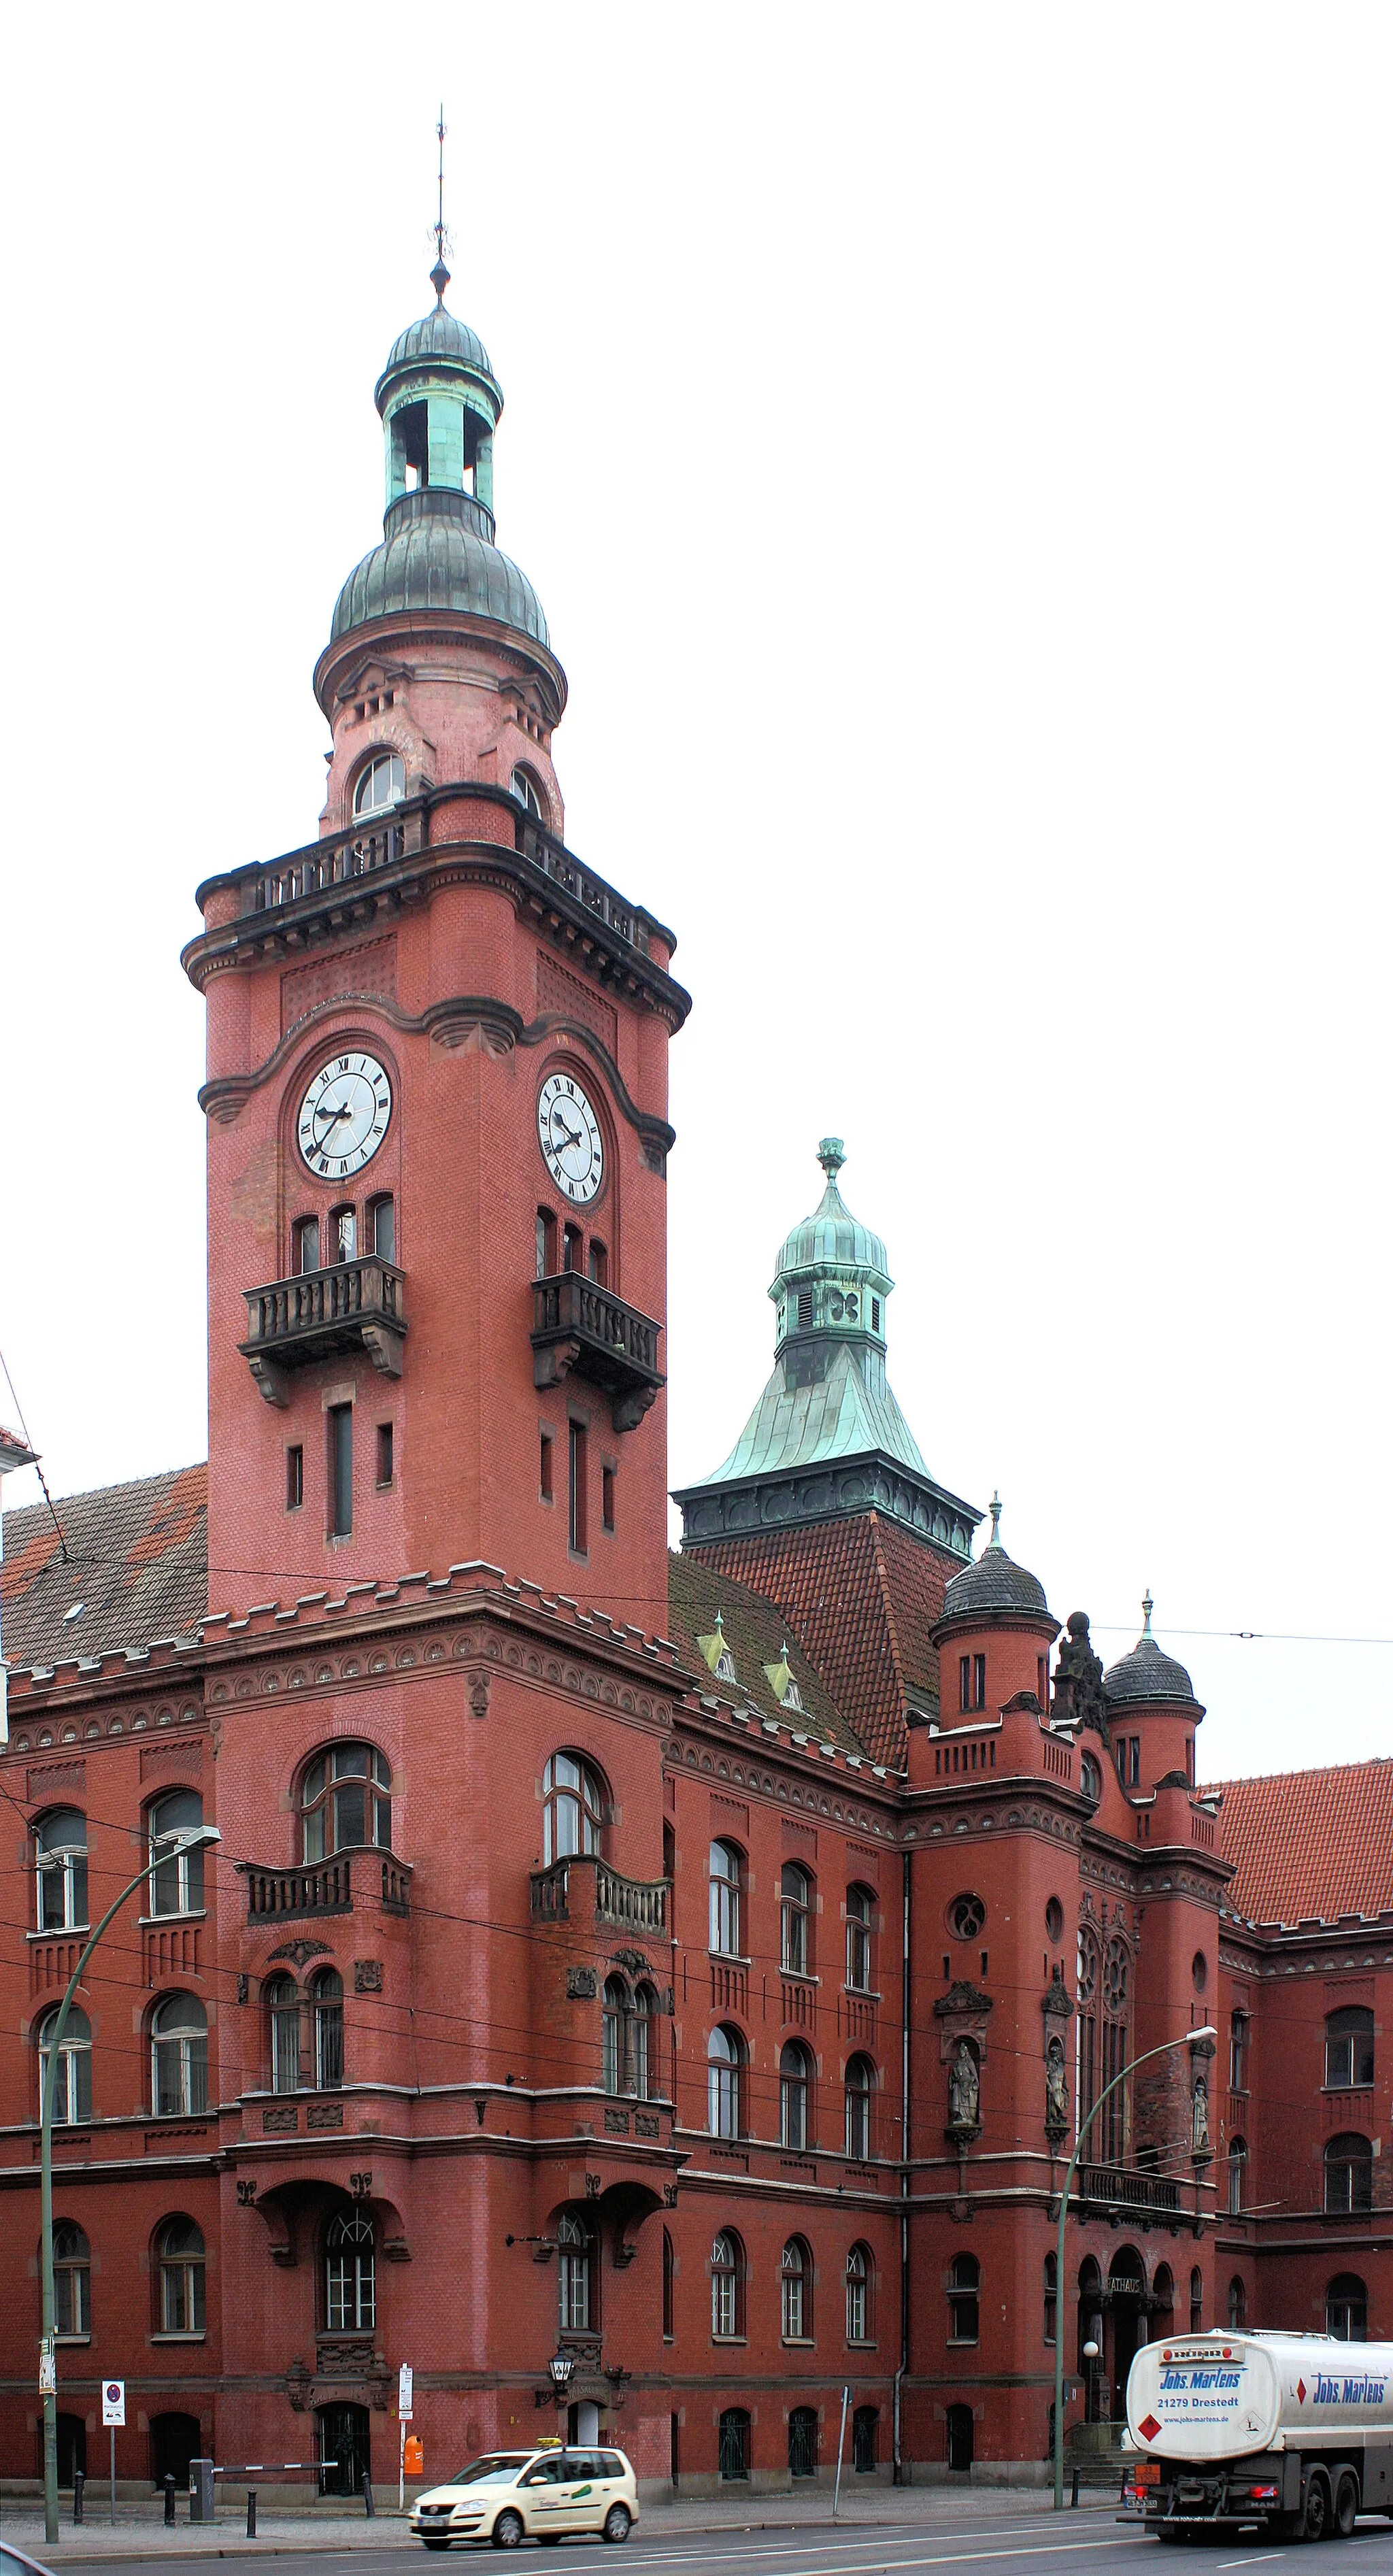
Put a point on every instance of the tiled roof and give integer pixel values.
(1310, 1845)
(862, 1595)
(756, 1633)
(993, 1582)
(137, 1562)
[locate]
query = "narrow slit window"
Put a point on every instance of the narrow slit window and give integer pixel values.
(294, 1477)
(598, 1264)
(979, 1681)
(572, 1249)
(544, 1473)
(306, 1244)
(607, 1497)
(340, 1424)
(384, 1453)
(577, 1484)
(546, 1244)
(383, 1228)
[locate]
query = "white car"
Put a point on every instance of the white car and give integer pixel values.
(511, 2496)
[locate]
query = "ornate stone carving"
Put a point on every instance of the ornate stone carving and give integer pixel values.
(633, 1962)
(582, 1985)
(324, 2115)
(616, 2123)
(964, 2093)
(300, 1951)
(280, 2121)
(1057, 1999)
(1078, 1679)
(242, 1987)
(367, 1976)
(1201, 2149)
(479, 1694)
(1056, 2089)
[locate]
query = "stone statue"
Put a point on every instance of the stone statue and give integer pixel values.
(1056, 2089)
(963, 2089)
(1200, 2118)
(1078, 1679)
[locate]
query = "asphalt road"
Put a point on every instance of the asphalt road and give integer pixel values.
(1091, 2546)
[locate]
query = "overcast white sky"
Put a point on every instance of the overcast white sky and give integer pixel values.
(952, 449)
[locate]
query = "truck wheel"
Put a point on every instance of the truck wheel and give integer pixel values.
(1315, 2509)
(1346, 2504)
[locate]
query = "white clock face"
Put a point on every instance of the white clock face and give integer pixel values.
(569, 1134)
(343, 1116)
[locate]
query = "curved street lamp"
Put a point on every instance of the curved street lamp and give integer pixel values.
(171, 1846)
(1187, 2039)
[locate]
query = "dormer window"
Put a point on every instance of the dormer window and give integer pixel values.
(529, 795)
(725, 1665)
(380, 785)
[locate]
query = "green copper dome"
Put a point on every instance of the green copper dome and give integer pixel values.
(436, 553)
(831, 1237)
(436, 335)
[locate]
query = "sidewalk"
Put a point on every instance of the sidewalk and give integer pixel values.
(140, 2531)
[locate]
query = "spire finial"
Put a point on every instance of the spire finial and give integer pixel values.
(440, 275)
(995, 1509)
(1148, 1605)
(831, 1153)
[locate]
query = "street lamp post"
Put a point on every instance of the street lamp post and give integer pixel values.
(173, 1845)
(1188, 2039)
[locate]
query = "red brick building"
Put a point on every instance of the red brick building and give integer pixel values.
(695, 1965)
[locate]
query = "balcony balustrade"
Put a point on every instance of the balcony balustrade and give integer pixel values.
(581, 1328)
(339, 1886)
(583, 1890)
(1119, 2187)
(357, 1305)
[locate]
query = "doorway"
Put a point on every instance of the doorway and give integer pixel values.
(1127, 2318)
(72, 2447)
(174, 2441)
(344, 2449)
(959, 2437)
(582, 2425)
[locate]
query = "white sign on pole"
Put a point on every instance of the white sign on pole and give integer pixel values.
(48, 2374)
(404, 2392)
(114, 2401)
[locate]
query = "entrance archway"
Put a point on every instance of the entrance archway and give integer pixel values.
(1093, 2372)
(1127, 2320)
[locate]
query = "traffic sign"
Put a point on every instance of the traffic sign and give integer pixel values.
(404, 2392)
(114, 2401)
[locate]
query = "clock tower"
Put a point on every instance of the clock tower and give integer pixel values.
(436, 1098)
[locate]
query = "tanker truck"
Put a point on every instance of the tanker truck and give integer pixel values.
(1287, 2433)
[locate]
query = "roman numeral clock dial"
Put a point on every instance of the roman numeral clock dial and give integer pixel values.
(568, 1132)
(343, 1116)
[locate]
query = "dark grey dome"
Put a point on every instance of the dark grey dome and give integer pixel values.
(1147, 1674)
(435, 553)
(994, 1583)
(437, 335)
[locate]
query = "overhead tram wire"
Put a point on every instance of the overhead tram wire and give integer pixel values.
(28, 1439)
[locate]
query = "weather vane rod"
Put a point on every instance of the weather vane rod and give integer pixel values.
(440, 275)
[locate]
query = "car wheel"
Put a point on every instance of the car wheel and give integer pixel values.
(1315, 2510)
(508, 2531)
(617, 2523)
(1346, 2505)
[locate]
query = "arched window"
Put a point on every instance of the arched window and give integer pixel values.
(1090, 1778)
(60, 1848)
(1238, 2165)
(669, 2289)
(529, 795)
(613, 2049)
(1349, 2047)
(283, 2010)
(865, 2428)
(1238, 2303)
(176, 1884)
(727, 2286)
(572, 1808)
(380, 784)
(179, 2253)
(860, 1911)
(1349, 2175)
(795, 1901)
(1112, 2119)
(802, 2442)
(350, 2274)
(795, 2076)
(733, 2454)
(858, 2294)
(1347, 2308)
(345, 1801)
(72, 2279)
(796, 2277)
(1051, 2297)
(725, 2057)
(1197, 2301)
(326, 1997)
(575, 2261)
(644, 2069)
(725, 1899)
(179, 2056)
(860, 2083)
(72, 2085)
(964, 2284)
(1163, 2300)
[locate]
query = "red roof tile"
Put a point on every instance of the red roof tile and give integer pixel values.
(756, 1633)
(1310, 1845)
(137, 1561)
(862, 1594)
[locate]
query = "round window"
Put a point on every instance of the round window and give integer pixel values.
(1054, 1919)
(966, 1916)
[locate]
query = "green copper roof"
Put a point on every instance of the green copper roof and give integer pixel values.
(831, 1237)
(803, 1426)
(438, 335)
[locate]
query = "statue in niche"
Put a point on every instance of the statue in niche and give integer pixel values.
(964, 2091)
(1200, 2118)
(1056, 2090)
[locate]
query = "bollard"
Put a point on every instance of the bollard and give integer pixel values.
(79, 2482)
(251, 2513)
(369, 2507)
(1074, 2486)
(202, 2507)
(169, 2503)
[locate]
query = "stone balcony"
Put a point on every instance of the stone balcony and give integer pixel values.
(347, 1883)
(581, 1329)
(292, 1323)
(583, 1890)
(1120, 2187)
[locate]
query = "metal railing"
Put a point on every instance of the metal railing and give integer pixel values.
(1120, 2187)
